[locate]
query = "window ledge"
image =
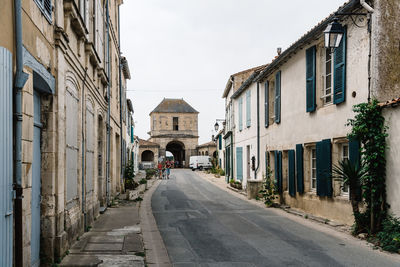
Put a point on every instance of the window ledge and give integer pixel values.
(102, 75)
(77, 23)
(93, 57)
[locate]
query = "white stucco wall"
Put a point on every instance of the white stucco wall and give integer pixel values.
(297, 126)
(392, 116)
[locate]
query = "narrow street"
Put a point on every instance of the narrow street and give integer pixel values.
(202, 225)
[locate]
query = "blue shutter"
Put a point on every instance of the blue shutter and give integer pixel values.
(239, 163)
(240, 113)
(310, 79)
(292, 186)
(355, 158)
(339, 72)
(266, 106)
(248, 109)
(299, 168)
(6, 158)
(324, 168)
(278, 97)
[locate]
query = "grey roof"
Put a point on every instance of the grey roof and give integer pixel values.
(171, 105)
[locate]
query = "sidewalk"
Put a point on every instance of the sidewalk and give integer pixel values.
(114, 240)
(221, 183)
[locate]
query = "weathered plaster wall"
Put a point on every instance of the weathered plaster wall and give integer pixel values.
(386, 50)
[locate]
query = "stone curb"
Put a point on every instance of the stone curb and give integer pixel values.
(156, 253)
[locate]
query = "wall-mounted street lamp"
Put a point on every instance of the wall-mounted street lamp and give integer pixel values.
(333, 34)
(216, 125)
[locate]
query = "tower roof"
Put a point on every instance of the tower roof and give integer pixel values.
(173, 105)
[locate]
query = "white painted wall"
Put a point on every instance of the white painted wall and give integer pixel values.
(392, 116)
(297, 126)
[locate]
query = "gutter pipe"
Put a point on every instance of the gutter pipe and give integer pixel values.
(258, 131)
(83, 152)
(366, 6)
(108, 107)
(120, 97)
(20, 79)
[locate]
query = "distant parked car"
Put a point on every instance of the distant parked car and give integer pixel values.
(200, 162)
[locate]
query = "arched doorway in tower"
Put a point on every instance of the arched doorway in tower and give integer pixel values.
(147, 156)
(178, 150)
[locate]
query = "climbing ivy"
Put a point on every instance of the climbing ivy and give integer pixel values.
(368, 126)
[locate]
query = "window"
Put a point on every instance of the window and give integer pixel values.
(175, 123)
(46, 8)
(154, 122)
(327, 92)
(313, 169)
(345, 156)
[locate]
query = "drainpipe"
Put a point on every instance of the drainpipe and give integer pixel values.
(20, 79)
(258, 131)
(370, 10)
(366, 6)
(120, 97)
(83, 151)
(108, 108)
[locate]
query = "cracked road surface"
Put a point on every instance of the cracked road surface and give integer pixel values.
(202, 225)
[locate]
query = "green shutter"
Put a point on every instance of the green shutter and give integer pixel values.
(278, 97)
(266, 163)
(310, 79)
(355, 158)
(266, 105)
(248, 109)
(299, 168)
(292, 186)
(339, 73)
(220, 142)
(324, 168)
(278, 170)
(239, 163)
(240, 113)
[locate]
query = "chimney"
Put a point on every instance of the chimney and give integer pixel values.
(212, 137)
(279, 50)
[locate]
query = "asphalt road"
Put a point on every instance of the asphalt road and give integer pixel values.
(202, 225)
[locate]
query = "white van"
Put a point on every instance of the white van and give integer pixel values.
(200, 162)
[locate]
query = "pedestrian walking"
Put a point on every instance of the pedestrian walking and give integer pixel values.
(168, 168)
(160, 169)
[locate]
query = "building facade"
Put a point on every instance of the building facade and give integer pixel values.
(174, 126)
(68, 87)
(207, 149)
(290, 116)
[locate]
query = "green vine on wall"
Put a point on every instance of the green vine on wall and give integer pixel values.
(368, 126)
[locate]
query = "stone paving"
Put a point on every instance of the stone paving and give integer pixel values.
(114, 240)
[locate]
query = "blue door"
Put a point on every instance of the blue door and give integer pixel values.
(36, 184)
(6, 159)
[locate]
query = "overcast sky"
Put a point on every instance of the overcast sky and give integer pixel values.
(189, 48)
